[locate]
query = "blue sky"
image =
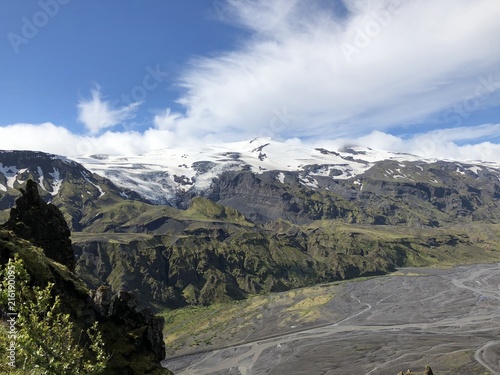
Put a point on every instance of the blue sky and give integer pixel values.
(105, 43)
(92, 76)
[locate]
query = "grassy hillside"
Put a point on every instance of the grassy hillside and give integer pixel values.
(124, 340)
(204, 262)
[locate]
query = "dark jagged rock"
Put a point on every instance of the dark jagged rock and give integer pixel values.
(144, 331)
(133, 337)
(427, 371)
(102, 298)
(43, 224)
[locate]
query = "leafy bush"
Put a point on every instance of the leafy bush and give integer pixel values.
(44, 337)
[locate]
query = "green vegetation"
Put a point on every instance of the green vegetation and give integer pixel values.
(204, 262)
(45, 339)
(135, 343)
(226, 268)
(230, 323)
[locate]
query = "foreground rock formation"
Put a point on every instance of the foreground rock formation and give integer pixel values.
(36, 233)
(42, 224)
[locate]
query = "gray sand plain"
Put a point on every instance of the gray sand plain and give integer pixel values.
(449, 319)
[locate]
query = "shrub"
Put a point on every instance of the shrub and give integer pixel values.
(45, 336)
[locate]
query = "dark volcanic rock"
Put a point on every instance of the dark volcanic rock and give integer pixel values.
(144, 331)
(43, 224)
(389, 193)
(132, 337)
(427, 371)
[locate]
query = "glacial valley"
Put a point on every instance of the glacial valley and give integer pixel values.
(447, 318)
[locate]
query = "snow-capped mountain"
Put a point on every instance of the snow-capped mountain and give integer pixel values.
(61, 181)
(160, 176)
(265, 180)
(15, 169)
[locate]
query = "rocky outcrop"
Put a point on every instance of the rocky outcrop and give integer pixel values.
(133, 336)
(43, 224)
(390, 193)
(136, 335)
(427, 371)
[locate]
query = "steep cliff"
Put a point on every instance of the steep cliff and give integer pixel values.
(133, 337)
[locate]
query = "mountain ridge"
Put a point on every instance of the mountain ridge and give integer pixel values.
(250, 232)
(165, 176)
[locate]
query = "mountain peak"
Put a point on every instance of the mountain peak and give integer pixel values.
(161, 175)
(43, 224)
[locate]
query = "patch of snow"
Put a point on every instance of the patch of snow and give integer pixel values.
(281, 177)
(309, 182)
(155, 175)
(57, 182)
(101, 192)
(475, 169)
(40, 179)
(86, 178)
(10, 173)
(358, 182)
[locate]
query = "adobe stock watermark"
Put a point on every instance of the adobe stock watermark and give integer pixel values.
(11, 315)
(486, 86)
(151, 81)
(30, 26)
(372, 26)
(428, 145)
(221, 9)
(278, 122)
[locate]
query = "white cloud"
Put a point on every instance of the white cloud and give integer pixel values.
(50, 138)
(464, 143)
(305, 72)
(97, 114)
(37, 137)
(389, 63)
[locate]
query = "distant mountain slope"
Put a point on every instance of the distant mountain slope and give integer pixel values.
(168, 176)
(162, 176)
(248, 231)
(62, 181)
(268, 180)
(390, 192)
(185, 261)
